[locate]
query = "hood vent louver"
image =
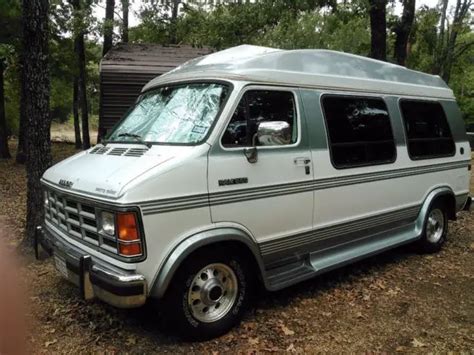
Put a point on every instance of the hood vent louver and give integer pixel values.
(135, 152)
(99, 150)
(119, 151)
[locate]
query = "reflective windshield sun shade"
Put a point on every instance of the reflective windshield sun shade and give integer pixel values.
(178, 114)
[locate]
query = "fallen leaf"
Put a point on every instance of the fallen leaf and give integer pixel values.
(291, 348)
(48, 343)
(254, 341)
(417, 344)
(286, 330)
(131, 340)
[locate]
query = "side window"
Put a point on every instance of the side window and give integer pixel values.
(258, 106)
(359, 131)
(427, 130)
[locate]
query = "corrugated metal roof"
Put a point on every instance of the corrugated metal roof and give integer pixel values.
(126, 68)
(149, 58)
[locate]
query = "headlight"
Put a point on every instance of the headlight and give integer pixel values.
(46, 199)
(107, 220)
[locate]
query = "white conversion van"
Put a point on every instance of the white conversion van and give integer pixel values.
(256, 166)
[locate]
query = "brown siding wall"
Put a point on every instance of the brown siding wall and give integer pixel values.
(119, 93)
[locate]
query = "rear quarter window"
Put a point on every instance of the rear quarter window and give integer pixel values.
(427, 130)
(359, 131)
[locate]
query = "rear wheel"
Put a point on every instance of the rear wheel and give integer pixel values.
(209, 294)
(435, 229)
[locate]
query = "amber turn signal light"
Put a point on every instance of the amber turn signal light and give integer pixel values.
(132, 249)
(127, 226)
(128, 234)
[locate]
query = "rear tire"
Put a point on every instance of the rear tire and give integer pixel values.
(209, 294)
(435, 229)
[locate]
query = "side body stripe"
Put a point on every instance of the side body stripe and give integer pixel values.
(254, 193)
(350, 230)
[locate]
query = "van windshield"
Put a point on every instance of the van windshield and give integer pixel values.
(176, 114)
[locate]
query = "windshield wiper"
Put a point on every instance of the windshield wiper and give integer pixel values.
(137, 137)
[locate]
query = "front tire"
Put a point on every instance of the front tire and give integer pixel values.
(209, 294)
(435, 229)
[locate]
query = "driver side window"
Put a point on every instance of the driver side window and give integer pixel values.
(255, 107)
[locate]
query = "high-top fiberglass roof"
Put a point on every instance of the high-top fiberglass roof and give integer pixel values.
(308, 68)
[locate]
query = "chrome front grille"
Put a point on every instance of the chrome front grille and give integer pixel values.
(77, 219)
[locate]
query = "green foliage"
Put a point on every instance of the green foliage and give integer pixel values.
(462, 78)
(342, 31)
(423, 53)
(12, 93)
(61, 61)
(424, 39)
(326, 24)
(10, 11)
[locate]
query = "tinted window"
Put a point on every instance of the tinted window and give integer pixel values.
(258, 106)
(427, 130)
(359, 131)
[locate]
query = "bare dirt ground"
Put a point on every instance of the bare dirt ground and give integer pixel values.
(395, 302)
(65, 133)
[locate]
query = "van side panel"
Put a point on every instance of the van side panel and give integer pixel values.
(456, 123)
(353, 204)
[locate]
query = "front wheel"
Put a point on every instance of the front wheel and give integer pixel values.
(209, 294)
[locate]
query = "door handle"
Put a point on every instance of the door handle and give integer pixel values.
(302, 161)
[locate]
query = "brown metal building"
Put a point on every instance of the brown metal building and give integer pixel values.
(126, 68)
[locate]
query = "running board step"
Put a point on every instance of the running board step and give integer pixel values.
(283, 276)
(336, 257)
(325, 260)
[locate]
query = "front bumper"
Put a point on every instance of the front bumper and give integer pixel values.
(94, 278)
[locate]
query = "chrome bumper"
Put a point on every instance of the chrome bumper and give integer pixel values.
(93, 277)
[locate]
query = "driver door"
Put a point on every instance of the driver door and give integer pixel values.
(272, 197)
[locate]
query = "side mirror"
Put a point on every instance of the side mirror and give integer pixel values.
(274, 133)
(269, 133)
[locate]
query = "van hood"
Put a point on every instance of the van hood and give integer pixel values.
(104, 171)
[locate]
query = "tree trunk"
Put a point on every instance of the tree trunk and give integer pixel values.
(21, 152)
(108, 26)
(81, 61)
(75, 111)
(79, 50)
(378, 29)
(439, 53)
(4, 151)
(174, 19)
(35, 99)
(403, 30)
(461, 11)
(125, 9)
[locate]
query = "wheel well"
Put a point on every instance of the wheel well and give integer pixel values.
(229, 246)
(449, 202)
(234, 247)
